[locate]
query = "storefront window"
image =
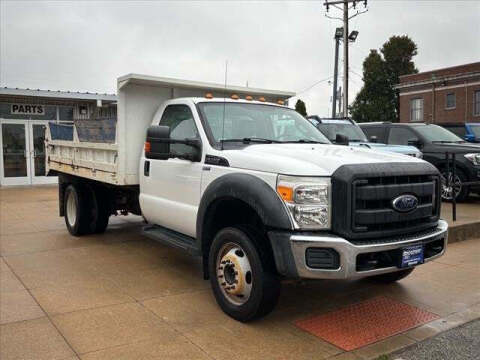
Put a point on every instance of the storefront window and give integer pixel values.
(65, 113)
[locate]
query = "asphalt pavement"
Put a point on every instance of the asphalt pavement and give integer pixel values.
(461, 343)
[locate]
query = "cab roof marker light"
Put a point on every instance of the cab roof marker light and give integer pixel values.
(262, 99)
(281, 102)
(249, 98)
(209, 95)
(235, 97)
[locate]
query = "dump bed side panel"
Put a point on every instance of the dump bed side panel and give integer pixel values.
(136, 107)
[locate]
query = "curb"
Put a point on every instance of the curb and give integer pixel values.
(463, 232)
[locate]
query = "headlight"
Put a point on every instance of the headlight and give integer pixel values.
(307, 200)
(474, 158)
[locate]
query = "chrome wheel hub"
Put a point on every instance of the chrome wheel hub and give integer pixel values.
(234, 273)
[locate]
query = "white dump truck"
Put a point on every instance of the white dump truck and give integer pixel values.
(232, 175)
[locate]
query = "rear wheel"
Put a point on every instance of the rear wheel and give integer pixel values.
(78, 216)
(392, 277)
(101, 211)
(243, 281)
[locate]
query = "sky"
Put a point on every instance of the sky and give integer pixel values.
(284, 45)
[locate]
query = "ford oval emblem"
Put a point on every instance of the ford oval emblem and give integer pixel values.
(405, 203)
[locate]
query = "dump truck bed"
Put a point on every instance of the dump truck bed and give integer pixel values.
(108, 150)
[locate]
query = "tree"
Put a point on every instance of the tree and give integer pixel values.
(378, 99)
(301, 108)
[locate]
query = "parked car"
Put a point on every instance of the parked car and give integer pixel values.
(467, 131)
(434, 142)
(252, 188)
(356, 137)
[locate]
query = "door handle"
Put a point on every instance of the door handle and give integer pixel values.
(146, 168)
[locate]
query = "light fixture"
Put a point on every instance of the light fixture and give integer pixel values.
(339, 33)
(353, 35)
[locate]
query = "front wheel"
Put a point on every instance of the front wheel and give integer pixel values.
(241, 273)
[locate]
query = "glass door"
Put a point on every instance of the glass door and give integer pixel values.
(37, 154)
(15, 163)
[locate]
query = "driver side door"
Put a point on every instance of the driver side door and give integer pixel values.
(171, 188)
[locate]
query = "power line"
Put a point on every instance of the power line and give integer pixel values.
(354, 72)
(313, 85)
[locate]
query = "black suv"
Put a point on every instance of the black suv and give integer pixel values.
(434, 141)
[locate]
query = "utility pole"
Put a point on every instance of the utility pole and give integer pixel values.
(338, 36)
(346, 38)
(340, 101)
(345, 59)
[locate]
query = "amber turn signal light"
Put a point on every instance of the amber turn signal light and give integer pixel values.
(148, 147)
(285, 193)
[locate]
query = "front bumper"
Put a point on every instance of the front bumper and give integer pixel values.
(290, 248)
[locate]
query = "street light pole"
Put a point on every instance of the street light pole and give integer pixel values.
(335, 75)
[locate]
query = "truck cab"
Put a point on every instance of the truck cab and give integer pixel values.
(252, 188)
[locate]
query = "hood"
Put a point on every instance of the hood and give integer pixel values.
(461, 148)
(402, 149)
(306, 159)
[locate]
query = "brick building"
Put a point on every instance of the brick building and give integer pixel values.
(449, 95)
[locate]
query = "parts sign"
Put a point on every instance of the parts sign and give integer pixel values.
(26, 109)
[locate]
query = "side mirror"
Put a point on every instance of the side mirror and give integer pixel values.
(415, 142)
(373, 139)
(157, 145)
(341, 140)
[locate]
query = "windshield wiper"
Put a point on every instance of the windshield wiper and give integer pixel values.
(304, 141)
(247, 140)
(447, 142)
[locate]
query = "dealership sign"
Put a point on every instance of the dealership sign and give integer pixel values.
(26, 109)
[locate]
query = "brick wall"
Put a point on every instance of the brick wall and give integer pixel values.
(445, 72)
(434, 109)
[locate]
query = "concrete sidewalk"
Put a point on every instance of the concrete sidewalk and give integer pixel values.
(121, 296)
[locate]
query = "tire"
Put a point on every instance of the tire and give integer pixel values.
(463, 191)
(242, 274)
(101, 211)
(77, 210)
(392, 277)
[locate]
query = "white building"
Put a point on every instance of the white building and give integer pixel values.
(24, 114)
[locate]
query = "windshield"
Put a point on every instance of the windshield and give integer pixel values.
(235, 121)
(435, 133)
(475, 130)
(353, 132)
